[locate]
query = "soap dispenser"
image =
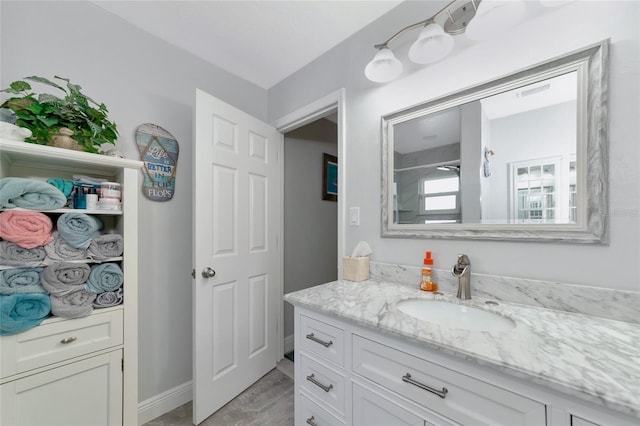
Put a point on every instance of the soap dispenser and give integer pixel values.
(426, 284)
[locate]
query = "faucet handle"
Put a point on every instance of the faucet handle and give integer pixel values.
(463, 260)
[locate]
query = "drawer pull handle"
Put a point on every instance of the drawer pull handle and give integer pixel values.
(315, 339)
(310, 421)
(68, 340)
(441, 393)
(325, 388)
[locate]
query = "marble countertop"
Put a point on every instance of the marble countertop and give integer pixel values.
(592, 358)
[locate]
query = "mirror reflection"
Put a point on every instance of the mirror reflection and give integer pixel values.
(509, 158)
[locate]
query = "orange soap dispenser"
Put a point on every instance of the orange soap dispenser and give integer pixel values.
(426, 284)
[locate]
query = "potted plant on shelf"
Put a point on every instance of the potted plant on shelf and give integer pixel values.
(72, 121)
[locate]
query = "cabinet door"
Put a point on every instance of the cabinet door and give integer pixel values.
(372, 409)
(87, 392)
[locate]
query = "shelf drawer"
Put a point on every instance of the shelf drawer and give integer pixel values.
(323, 384)
(56, 341)
(467, 400)
(322, 339)
(312, 414)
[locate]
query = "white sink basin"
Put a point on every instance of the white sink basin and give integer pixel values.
(452, 315)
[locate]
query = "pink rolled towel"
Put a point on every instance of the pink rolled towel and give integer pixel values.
(28, 229)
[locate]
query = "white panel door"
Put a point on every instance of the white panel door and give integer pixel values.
(236, 230)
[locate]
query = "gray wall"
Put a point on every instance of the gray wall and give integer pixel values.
(310, 223)
(141, 80)
(552, 32)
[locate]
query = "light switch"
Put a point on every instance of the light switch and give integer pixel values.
(354, 216)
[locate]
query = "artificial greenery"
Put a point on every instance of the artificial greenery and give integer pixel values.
(45, 114)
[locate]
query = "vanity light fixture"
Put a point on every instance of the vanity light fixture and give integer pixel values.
(435, 40)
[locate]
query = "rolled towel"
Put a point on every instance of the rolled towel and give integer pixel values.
(62, 278)
(20, 312)
(78, 229)
(63, 185)
(104, 277)
(12, 254)
(76, 304)
(30, 194)
(26, 229)
(105, 247)
(21, 280)
(59, 250)
(108, 299)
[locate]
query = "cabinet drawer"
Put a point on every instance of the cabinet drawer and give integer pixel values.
(314, 415)
(59, 340)
(577, 421)
(373, 409)
(324, 340)
(467, 400)
(323, 383)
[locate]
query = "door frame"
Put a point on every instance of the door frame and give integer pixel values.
(298, 118)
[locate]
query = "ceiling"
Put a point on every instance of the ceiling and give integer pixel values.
(260, 41)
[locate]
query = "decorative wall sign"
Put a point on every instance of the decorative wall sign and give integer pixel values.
(329, 177)
(159, 151)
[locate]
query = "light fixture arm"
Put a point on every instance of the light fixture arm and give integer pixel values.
(402, 31)
(424, 22)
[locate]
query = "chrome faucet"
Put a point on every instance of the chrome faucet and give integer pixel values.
(462, 270)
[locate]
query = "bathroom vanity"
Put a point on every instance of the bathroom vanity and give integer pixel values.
(362, 360)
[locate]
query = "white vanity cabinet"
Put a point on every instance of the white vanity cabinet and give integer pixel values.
(372, 378)
(76, 371)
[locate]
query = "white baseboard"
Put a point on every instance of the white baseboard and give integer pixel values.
(288, 343)
(164, 402)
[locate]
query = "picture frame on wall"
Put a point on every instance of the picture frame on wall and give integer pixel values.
(329, 177)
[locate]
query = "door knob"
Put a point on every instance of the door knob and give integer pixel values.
(208, 273)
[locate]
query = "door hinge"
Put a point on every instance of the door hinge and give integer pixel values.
(193, 273)
(121, 364)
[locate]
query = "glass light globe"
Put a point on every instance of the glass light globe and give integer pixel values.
(432, 45)
(384, 67)
(494, 17)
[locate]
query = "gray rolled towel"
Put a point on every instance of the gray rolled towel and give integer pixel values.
(21, 280)
(75, 304)
(59, 250)
(62, 278)
(105, 246)
(109, 298)
(12, 254)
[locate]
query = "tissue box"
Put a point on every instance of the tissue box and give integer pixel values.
(355, 268)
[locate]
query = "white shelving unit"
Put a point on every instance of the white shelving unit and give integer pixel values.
(94, 379)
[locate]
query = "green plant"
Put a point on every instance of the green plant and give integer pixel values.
(45, 114)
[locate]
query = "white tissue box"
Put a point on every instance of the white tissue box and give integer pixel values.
(355, 268)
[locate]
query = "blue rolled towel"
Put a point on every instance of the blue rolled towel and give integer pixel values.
(78, 229)
(104, 277)
(20, 312)
(65, 186)
(21, 280)
(30, 194)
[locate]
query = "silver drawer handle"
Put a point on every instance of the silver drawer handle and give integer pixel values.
(310, 421)
(325, 388)
(442, 394)
(315, 339)
(68, 340)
